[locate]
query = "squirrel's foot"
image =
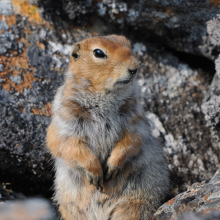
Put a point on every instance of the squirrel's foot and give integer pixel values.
(97, 181)
(111, 171)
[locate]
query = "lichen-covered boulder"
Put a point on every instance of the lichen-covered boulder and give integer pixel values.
(32, 65)
(183, 25)
(188, 26)
(211, 105)
(173, 92)
(214, 215)
(202, 198)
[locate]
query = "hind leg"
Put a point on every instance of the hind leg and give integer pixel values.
(71, 211)
(135, 209)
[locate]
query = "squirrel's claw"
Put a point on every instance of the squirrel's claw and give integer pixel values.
(111, 172)
(97, 181)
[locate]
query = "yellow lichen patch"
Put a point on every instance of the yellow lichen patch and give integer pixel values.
(46, 110)
(17, 64)
(10, 20)
(14, 66)
(206, 198)
(215, 2)
(7, 84)
(41, 46)
(24, 8)
(20, 108)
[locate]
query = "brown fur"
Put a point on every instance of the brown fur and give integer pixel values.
(73, 151)
(108, 164)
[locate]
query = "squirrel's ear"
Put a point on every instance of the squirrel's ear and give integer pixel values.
(76, 51)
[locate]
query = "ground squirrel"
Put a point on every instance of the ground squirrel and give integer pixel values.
(108, 163)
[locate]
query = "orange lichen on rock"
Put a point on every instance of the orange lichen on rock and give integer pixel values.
(215, 2)
(206, 198)
(24, 8)
(41, 46)
(204, 212)
(46, 110)
(169, 11)
(21, 109)
(170, 202)
(17, 63)
(17, 66)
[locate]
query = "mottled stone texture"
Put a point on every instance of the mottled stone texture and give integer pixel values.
(214, 215)
(186, 25)
(174, 92)
(180, 24)
(211, 104)
(32, 65)
(202, 198)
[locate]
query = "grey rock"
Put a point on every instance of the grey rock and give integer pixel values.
(33, 55)
(200, 202)
(20, 45)
(4, 96)
(2, 49)
(8, 45)
(16, 79)
(211, 104)
(215, 215)
(33, 38)
(188, 26)
(3, 25)
(174, 93)
(213, 29)
(182, 25)
(36, 209)
(10, 36)
(6, 7)
(15, 30)
(43, 34)
(1, 67)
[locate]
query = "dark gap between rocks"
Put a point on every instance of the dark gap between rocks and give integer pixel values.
(25, 181)
(29, 188)
(195, 62)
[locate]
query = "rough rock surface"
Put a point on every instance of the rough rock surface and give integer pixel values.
(30, 209)
(34, 56)
(211, 104)
(201, 198)
(214, 215)
(32, 67)
(7, 194)
(173, 92)
(185, 25)
(191, 26)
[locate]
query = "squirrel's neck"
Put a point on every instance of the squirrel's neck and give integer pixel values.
(98, 101)
(101, 102)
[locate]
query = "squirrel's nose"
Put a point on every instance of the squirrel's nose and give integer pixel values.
(132, 72)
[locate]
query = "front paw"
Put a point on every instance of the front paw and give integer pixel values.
(97, 181)
(111, 171)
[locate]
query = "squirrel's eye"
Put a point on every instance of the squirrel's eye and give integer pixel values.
(99, 53)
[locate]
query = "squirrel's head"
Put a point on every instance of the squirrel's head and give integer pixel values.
(103, 63)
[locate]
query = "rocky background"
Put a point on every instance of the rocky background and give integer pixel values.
(177, 43)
